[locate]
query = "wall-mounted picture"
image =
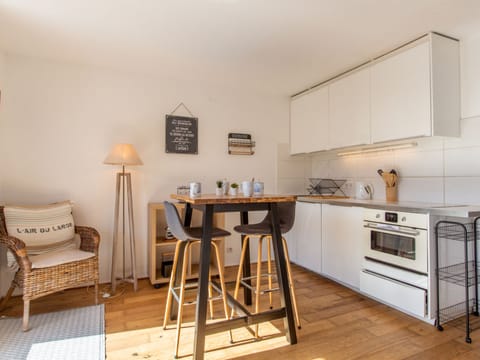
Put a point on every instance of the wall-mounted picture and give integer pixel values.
(181, 134)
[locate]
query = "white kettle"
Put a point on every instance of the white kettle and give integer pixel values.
(363, 191)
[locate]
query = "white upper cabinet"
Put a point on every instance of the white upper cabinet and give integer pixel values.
(411, 92)
(349, 110)
(309, 122)
(415, 91)
(401, 95)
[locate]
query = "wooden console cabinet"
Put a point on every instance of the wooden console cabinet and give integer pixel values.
(162, 249)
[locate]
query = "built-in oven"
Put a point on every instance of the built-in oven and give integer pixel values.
(397, 238)
(395, 264)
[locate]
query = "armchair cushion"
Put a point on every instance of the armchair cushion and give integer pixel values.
(39, 226)
(59, 257)
(43, 229)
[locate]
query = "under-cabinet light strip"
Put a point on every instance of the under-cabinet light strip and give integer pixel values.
(377, 149)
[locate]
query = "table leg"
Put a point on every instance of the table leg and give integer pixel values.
(282, 275)
(247, 292)
(202, 292)
(187, 221)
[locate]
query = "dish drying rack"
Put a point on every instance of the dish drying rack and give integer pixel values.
(319, 186)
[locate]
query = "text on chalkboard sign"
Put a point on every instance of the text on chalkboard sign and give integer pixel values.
(181, 134)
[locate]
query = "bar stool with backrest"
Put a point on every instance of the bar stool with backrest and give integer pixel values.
(263, 230)
(188, 236)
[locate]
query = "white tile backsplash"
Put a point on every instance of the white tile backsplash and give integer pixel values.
(292, 186)
(462, 190)
(419, 163)
(470, 130)
(293, 169)
(367, 165)
(320, 168)
(462, 162)
(430, 172)
(341, 168)
(425, 189)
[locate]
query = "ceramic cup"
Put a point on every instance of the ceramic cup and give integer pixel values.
(195, 189)
(247, 188)
(225, 187)
(258, 188)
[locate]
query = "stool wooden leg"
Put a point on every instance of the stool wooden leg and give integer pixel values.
(290, 280)
(239, 273)
(269, 269)
(239, 277)
(171, 285)
(181, 298)
(210, 295)
(259, 278)
(222, 279)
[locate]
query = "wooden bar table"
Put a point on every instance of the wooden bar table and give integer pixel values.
(209, 204)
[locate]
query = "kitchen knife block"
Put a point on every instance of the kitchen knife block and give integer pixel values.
(391, 193)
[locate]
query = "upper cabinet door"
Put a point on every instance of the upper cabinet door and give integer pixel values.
(400, 95)
(309, 122)
(350, 110)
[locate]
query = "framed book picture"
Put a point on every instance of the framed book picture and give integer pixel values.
(181, 134)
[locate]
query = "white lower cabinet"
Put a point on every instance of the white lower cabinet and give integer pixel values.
(304, 240)
(342, 243)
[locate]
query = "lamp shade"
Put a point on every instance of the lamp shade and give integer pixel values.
(123, 154)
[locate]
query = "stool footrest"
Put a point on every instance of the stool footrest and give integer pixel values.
(273, 275)
(262, 291)
(194, 286)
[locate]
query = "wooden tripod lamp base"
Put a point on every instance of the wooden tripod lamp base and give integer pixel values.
(127, 218)
(123, 154)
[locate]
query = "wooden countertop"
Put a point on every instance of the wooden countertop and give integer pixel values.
(229, 199)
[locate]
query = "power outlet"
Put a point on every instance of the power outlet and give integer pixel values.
(348, 188)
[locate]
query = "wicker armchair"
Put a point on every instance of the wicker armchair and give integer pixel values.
(39, 282)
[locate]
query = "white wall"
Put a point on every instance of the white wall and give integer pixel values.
(2, 90)
(59, 122)
(292, 171)
(5, 274)
(438, 170)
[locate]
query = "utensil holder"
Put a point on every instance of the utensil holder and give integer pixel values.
(391, 193)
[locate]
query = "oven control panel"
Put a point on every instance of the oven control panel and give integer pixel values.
(415, 220)
(391, 217)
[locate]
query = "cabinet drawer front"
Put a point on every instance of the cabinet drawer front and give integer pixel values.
(403, 296)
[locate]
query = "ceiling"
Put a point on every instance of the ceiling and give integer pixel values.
(280, 46)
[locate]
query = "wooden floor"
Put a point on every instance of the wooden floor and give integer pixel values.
(337, 323)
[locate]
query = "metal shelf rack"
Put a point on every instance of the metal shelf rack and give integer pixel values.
(464, 273)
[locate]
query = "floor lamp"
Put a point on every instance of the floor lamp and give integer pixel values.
(124, 155)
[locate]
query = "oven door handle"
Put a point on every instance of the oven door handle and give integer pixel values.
(392, 228)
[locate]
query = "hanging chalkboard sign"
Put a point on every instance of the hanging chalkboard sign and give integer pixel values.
(181, 134)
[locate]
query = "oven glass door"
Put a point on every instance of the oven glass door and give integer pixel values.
(394, 244)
